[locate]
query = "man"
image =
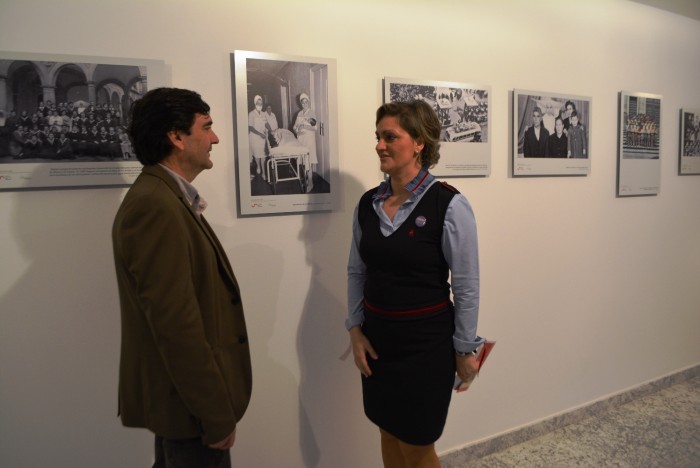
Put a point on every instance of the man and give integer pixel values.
(271, 119)
(535, 137)
(185, 370)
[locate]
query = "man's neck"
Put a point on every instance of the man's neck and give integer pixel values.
(172, 164)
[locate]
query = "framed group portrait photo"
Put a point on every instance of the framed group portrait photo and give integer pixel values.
(464, 111)
(639, 143)
(689, 159)
(63, 119)
(286, 128)
(551, 134)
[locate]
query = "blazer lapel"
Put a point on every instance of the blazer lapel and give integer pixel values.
(221, 257)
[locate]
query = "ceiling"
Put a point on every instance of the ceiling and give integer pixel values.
(689, 8)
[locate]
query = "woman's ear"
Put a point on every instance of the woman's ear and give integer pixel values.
(419, 146)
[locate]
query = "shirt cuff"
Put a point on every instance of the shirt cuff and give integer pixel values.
(462, 346)
(354, 321)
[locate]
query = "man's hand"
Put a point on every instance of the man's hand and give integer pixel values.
(225, 444)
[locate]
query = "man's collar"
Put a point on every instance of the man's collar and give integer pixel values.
(188, 190)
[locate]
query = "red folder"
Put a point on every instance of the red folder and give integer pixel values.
(482, 354)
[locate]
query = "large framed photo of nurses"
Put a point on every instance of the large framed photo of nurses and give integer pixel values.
(639, 143)
(464, 111)
(689, 163)
(63, 119)
(286, 129)
(551, 134)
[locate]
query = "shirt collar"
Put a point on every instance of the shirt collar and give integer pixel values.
(416, 186)
(191, 194)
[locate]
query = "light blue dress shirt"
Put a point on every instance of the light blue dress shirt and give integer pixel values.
(459, 246)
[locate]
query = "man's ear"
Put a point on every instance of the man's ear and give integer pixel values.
(175, 139)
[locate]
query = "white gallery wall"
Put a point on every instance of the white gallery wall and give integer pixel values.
(587, 294)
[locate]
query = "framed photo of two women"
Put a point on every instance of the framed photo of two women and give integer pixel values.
(286, 128)
(551, 134)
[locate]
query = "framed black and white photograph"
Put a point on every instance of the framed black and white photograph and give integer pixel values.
(286, 126)
(551, 134)
(638, 162)
(465, 113)
(63, 119)
(689, 162)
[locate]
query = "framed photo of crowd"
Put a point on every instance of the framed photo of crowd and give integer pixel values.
(464, 111)
(551, 134)
(638, 162)
(63, 119)
(286, 129)
(689, 163)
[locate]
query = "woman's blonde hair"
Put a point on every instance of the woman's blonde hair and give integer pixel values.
(419, 120)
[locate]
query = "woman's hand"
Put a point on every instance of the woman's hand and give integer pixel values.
(361, 347)
(467, 368)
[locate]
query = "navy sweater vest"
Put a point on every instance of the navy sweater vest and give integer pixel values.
(407, 270)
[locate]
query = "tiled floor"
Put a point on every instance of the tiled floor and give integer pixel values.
(658, 430)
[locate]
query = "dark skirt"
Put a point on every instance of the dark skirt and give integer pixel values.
(410, 388)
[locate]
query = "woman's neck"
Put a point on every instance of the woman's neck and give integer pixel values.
(399, 181)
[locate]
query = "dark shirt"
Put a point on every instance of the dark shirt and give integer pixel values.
(556, 146)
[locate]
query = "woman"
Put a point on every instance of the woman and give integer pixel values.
(557, 142)
(305, 129)
(257, 135)
(565, 115)
(408, 235)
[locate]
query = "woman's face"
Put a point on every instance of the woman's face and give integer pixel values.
(304, 104)
(559, 126)
(396, 148)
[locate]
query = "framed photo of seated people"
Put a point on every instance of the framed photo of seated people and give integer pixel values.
(464, 111)
(689, 163)
(639, 143)
(286, 132)
(551, 134)
(63, 119)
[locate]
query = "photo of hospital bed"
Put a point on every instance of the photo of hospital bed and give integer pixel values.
(289, 160)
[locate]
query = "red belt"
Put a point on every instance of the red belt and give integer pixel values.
(421, 310)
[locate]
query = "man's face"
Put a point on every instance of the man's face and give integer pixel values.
(536, 118)
(198, 144)
(269, 109)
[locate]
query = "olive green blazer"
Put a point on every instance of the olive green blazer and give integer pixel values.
(185, 360)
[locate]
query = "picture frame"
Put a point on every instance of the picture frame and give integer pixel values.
(45, 102)
(689, 147)
(551, 134)
(639, 143)
(287, 155)
(464, 111)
